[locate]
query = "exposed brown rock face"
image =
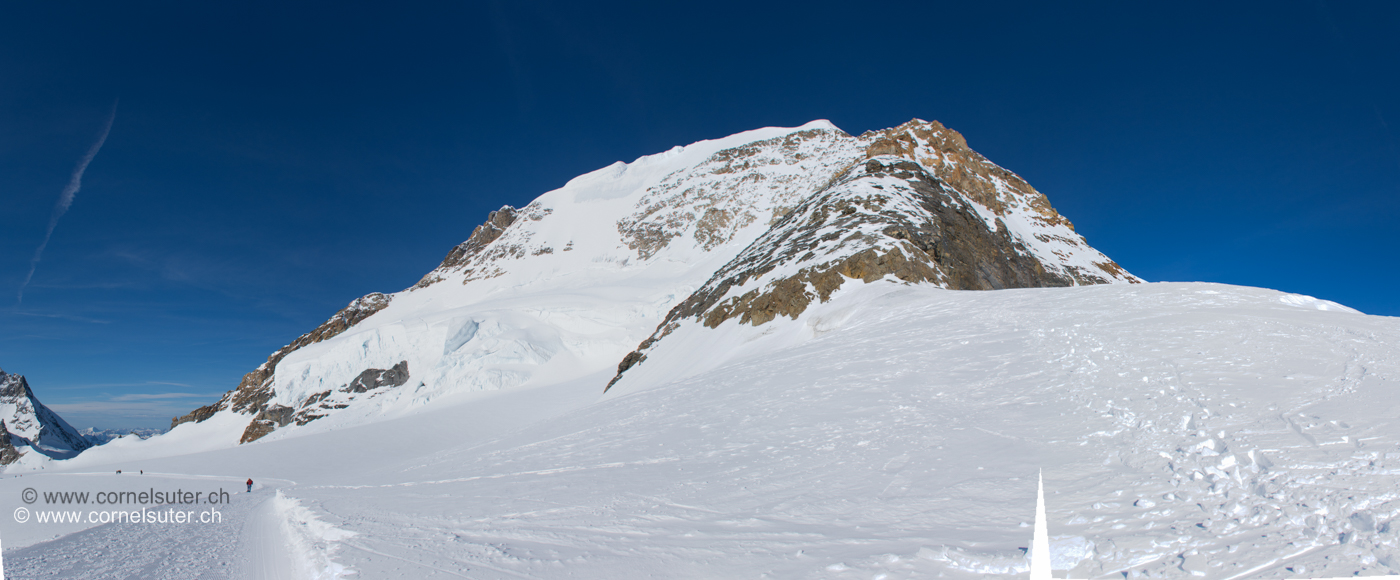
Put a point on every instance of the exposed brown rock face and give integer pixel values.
(257, 430)
(8, 453)
(255, 390)
(202, 413)
(946, 152)
(266, 422)
(886, 217)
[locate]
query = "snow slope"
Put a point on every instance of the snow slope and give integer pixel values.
(1184, 430)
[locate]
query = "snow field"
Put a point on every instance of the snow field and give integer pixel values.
(1184, 430)
(903, 443)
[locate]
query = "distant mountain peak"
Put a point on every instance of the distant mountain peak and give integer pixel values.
(29, 423)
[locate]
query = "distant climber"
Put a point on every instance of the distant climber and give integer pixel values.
(250, 485)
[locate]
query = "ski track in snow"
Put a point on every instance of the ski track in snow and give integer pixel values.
(263, 547)
(226, 549)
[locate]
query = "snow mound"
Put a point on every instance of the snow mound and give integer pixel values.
(1302, 301)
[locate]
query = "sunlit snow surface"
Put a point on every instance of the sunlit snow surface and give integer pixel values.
(1184, 430)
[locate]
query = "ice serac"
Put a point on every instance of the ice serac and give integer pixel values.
(324, 402)
(753, 227)
(28, 423)
(256, 389)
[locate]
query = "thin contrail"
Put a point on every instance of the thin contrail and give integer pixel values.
(65, 200)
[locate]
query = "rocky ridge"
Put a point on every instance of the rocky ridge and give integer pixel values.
(33, 424)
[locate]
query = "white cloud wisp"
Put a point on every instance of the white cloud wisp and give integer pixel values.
(65, 200)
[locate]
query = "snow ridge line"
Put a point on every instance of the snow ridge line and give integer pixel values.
(262, 481)
(503, 475)
(418, 563)
(311, 540)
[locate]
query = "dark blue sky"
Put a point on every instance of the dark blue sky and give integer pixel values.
(271, 162)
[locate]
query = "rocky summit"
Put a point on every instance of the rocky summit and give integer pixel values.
(747, 229)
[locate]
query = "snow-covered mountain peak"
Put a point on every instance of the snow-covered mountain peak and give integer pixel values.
(28, 423)
(752, 226)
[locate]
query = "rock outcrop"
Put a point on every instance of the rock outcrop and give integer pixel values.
(376, 378)
(8, 453)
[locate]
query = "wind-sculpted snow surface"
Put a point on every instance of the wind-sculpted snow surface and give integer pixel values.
(569, 284)
(1184, 430)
